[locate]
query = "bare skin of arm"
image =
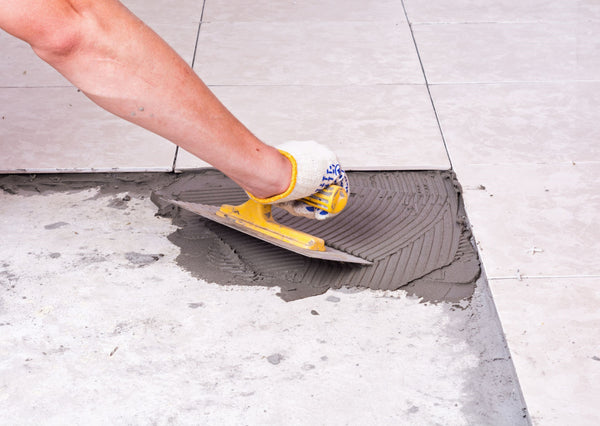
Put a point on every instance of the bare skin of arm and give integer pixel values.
(126, 68)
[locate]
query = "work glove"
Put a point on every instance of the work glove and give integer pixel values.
(314, 167)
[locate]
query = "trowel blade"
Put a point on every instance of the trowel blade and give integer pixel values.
(330, 253)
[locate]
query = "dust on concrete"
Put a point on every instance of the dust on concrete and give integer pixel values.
(55, 225)
(275, 359)
(141, 259)
(120, 203)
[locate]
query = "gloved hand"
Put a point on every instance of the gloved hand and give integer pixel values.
(314, 167)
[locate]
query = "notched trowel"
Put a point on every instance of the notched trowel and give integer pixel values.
(256, 219)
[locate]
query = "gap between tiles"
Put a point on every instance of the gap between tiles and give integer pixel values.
(198, 35)
(437, 118)
(66, 171)
(519, 277)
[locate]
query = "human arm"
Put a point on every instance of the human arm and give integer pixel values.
(126, 68)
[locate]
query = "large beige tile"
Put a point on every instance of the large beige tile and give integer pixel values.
(310, 53)
(369, 127)
(173, 12)
(535, 220)
(551, 326)
(520, 123)
(46, 129)
(588, 48)
(509, 52)
(460, 11)
(309, 10)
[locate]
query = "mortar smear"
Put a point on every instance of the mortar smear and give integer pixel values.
(411, 225)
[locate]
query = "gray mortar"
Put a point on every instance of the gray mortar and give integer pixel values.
(410, 224)
(107, 183)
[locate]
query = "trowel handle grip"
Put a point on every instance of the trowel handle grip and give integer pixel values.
(332, 199)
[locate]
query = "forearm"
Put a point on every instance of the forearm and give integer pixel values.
(123, 66)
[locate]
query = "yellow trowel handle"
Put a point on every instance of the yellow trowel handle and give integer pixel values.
(332, 199)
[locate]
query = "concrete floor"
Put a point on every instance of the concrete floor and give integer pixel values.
(506, 93)
(100, 325)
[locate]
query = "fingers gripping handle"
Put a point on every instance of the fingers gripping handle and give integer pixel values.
(332, 199)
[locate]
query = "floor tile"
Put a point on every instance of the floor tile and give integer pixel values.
(535, 220)
(588, 48)
(58, 128)
(21, 67)
(508, 52)
(172, 12)
(520, 123)
(461, 11)
(369, 127)
(554, 345)
(309, 10)
(312, 53)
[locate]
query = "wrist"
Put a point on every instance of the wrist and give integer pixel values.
(286, 183)
(272, 177)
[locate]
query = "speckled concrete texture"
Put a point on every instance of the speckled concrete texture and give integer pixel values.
(99, 324)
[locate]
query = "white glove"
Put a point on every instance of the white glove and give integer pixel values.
(314, 167)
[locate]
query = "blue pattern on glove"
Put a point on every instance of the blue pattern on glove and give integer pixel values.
(335, 175)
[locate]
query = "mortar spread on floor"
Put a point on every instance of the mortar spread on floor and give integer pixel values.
(411, 225)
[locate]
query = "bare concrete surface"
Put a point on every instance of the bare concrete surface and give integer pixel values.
(99, 324)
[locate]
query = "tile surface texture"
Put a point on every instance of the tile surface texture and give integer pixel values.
(515, 86)
(368, 127)
(531, 11)
(347, 77)
(309, 10)
(520, 123)
(47, 129)
(551, 341)
(307, 53)
(505, 52)
(167, 12)
(535, 220)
